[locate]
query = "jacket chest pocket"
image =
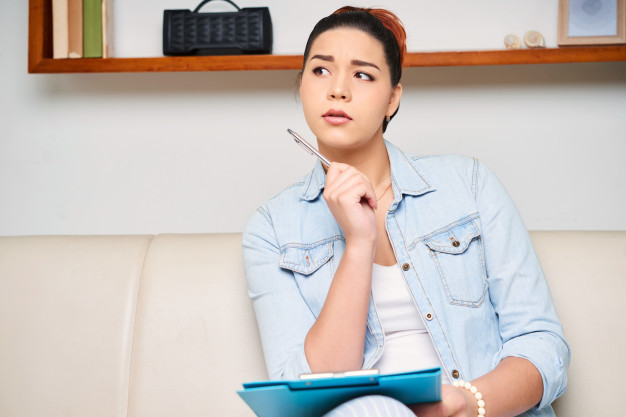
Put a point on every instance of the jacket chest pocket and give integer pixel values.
(459, 258)
(313, 269)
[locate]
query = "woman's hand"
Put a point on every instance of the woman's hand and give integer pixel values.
(455, 402)
(335, 341)
(352, 201)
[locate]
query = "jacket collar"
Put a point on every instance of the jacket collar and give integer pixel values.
(405, 176)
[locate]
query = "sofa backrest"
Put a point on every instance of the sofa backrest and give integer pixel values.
(196, 339)
(67, 308)
(586, 272)
(162, 325)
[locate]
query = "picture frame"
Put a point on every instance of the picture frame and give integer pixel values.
(592, 22)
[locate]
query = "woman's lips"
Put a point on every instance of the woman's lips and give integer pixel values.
(336, 117)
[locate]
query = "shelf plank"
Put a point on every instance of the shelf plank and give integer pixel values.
(171, 64)
(518, 56)
(40, 55)
(290, 62)
(39, 32)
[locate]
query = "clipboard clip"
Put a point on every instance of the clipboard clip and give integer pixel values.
(336, 380)
(360, 372)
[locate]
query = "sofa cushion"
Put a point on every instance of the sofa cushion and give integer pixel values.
(196, 338)
(586, 271)
(67, 307)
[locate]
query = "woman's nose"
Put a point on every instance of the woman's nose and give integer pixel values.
(339, 90)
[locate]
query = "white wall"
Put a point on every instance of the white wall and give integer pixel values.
(431, 25)
(197, 152)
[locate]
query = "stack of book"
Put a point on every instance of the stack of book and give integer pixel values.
(82, 28)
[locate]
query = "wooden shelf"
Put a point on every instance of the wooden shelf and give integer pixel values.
(40, 55)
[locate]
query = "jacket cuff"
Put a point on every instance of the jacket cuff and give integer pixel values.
(296, 366)
(549, 353)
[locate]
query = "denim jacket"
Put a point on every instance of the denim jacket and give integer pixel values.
(462, 248)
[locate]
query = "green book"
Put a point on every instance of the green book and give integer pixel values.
(92, 28)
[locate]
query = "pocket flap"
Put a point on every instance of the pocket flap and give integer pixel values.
(454, 240)
(306, 259)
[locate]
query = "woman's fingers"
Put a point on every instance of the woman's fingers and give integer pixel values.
(349, 184)
(351, 200)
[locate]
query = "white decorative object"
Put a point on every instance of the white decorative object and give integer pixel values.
(512, 41)
(534, 39)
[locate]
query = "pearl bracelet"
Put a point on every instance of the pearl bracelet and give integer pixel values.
(471, 388)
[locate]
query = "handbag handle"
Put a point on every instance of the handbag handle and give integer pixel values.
(197, 9)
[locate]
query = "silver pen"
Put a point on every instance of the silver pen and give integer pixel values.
(308, 147)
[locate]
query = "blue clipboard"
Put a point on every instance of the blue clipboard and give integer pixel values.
(316, 394)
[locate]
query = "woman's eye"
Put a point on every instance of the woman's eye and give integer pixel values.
(364, 76)
(320, 71)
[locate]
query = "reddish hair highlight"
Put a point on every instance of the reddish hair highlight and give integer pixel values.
(389, 20)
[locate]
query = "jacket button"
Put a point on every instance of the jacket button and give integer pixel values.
(429, 316)
(455, 243)
(406, 267)
(455, 374)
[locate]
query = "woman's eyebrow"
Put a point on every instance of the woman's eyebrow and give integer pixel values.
(355, 62)
(359, 63)
(329, 58)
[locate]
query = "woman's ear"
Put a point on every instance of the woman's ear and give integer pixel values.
(394, 100)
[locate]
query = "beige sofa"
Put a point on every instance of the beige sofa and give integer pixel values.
(162, 325)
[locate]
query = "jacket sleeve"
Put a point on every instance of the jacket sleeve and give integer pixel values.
(283, 316)
(529, 325)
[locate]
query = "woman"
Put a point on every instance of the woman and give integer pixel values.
(397, 262)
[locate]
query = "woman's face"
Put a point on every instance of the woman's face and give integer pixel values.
(346, 89)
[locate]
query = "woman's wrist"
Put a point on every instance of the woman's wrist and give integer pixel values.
(361, 248)
(474, 398)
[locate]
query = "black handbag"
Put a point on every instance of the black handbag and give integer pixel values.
(246, 31)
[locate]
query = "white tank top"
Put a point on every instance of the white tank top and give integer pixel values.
(408, 345)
